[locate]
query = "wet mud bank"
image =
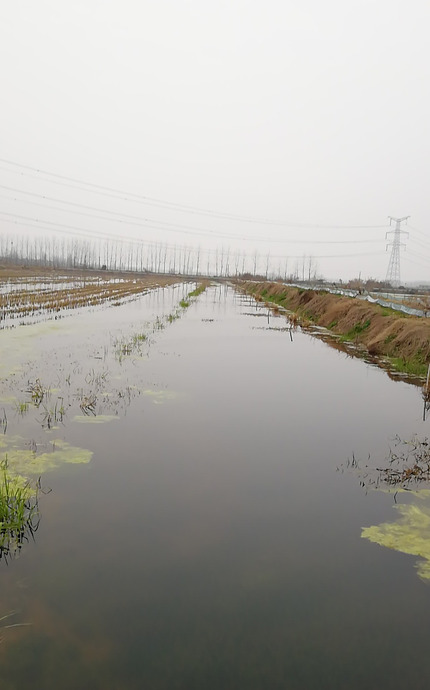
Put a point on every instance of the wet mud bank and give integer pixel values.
(394, 340)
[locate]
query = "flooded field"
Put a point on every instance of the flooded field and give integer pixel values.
(209, 512)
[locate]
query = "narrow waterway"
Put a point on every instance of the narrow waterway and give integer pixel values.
(214, 537)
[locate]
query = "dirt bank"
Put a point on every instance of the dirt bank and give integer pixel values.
(404, 340)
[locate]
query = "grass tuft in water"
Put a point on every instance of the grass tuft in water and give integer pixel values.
(198, 291)
(38, 392)
(19, 513)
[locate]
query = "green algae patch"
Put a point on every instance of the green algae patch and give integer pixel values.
(410, 535)
(27, 461)
(98, 419)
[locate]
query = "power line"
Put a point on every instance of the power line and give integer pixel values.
(60, 228)
(160, 203)
(169, 227)
(416, 263)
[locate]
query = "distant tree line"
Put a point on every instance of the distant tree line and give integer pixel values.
(75, 253)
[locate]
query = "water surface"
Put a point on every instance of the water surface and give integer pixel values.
(210, 541)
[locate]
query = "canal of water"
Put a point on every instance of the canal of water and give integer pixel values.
(201, 525)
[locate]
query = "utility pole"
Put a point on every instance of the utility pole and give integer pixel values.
(393, 271)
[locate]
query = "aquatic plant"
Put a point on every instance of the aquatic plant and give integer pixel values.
(406, 467)
(19, 510)
(124, 347)
(37, 391)
(408, 463)
(54, 414)
(88, 404)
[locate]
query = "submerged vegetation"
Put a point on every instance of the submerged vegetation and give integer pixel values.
(400, 340)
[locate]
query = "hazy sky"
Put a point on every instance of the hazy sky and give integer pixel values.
(301, 112)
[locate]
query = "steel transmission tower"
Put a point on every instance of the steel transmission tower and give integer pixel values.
(393, 271)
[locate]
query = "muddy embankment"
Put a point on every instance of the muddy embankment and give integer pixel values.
(402, 341)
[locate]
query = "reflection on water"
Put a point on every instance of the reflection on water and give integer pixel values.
(210, 543)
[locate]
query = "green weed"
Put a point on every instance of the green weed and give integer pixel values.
(355, 331)
(414, 366)
(198, 291)
(19, 515)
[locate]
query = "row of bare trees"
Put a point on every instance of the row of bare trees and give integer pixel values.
(68, 252)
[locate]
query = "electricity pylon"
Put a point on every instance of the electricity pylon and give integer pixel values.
(393, 271)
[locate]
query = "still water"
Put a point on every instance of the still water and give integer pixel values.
(213, 540)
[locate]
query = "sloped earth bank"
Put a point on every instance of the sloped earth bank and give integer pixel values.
(197, 533)
(399, 340)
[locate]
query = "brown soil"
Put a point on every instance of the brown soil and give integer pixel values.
(381, 331)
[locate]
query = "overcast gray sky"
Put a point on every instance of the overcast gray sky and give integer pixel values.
(307, 114)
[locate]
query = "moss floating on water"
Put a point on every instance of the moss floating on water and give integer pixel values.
(26, 461)
(410, 535)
